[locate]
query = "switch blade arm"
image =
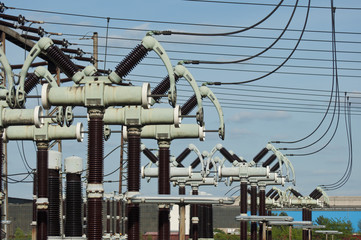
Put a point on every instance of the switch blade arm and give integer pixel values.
(206, 92)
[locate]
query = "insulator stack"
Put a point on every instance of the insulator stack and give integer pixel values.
(277, 197)
(195, 163)
(117, 222)
(318, 195)
(30, 82)
(94, 226)
(235, 157)
(95, 175)
(182, 190)
(269, 161)
(253, 211)
(269, 233)
(62, 61)
(270, 192)
(1, 170)
(42, 201)
(163, 87)
(275, 167)
(210, 165)
(163, 182)
(85, 216)
(226, 154)
(163, 224)
(243, 206)
(260, 155)
(183, 155)
(314, 193)
(209, 218)
(150, 155)
(131, 60)
(273, 195)
(108, 215)
(73, 202)
(54, 165)
(304, 218)
(189, 105)
(297, 194)
(262, 208)
(133, 214)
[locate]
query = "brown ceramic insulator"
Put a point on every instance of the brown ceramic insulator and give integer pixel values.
(131, 60)
(182, 190)
(209, 217)
(262, 209)
(195, 163)
(62, 61)
(30, 82)
(226, 154)
(95, 150)
(304, 218)
(133, 214)
(35, 192)
(269, 233)
(243, 209)
(269, 160)
(195, 192)
(195, 226)
(42, 166)
(260, 155)
(1, 171)
(133, 162)
(189, 105)
(95, 216)
(270, 192)
(150, 155)
(117, 222)
(296, 193)
(84, 218)
(275, 167)
(253, 212)
(163, 224)
(108, 216)
(273, 195)
(163, 87)
(183, 155)
(163, 180)
(54, 203)
(41, 227)
(73, 203)
(313, 193)
(112, 217)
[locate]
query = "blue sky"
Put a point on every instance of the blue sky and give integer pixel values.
(248, 127)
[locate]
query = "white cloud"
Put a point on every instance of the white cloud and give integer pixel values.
(246, 116)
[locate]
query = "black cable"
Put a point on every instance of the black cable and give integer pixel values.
(266, 4)
(347, 170)
(221, 34)
(230, 190)
(337, 97)
(106, 44)
(283, 63)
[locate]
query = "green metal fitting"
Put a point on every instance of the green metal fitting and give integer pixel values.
(95, 94)
(13, 117)
(46, 133)
(170, 132)
(138, 116)
(206, 92)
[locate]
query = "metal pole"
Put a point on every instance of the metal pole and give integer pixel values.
(95, 49)
(290, 232)
(195, 219)
(120, 211)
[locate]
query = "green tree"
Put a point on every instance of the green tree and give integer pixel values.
(359, 226)
(20, 235)
(339, 224)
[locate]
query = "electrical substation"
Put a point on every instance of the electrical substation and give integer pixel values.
(51, 101)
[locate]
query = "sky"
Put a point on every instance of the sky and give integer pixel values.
(286, 105)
